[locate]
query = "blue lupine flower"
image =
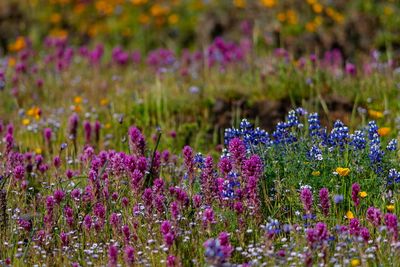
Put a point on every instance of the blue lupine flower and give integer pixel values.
(357, 140)
(339, 135)
(392, 145)
(393, 176)
(315, 153)
(314, 124)
(231, 185)
(372, 129)
(282, 135)
(199, 160)
(292, 119)
(249, 135)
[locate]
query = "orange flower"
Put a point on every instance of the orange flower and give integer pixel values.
(268, 3)
(239, 3)
(384, 131)
(18, 45)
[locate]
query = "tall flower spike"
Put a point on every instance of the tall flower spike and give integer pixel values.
(137, 142)
(306, 199)
(324, 201)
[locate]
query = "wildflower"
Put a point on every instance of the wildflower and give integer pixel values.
(349, 215)
(383, 131)
(112, 256)
(268, 3)
(129, 255)
(343, 171)
(77, 99)
(355, 191)
(25, 122)
(88, 131)
(217, 251)
(364, 233)
(137, 142)
(374, 216)
(392, 145)
(355, 227)
(355, 262)
(189, 161)
(73, 126)
(363, 194)
(391, 223)
(390, 208)
(316, 173)
(324, 201)
(306, 199)
(238, 151)
(375, 114)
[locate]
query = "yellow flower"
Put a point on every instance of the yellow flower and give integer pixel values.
(34, 112)
(12, 61)
(343, 171)
(26, 121)
(375, 114)
(38, 150)
(291, 16)
(77, 99)
(355, 262)
(349, 215)
(384, 131)
(317, 8)
(239, 3)
(157, 10)
(316, 173)
(138, 2)
(173, 19)
(104, 102)
(390, 207)
(268, 3)
(107, 126)
(363, 194)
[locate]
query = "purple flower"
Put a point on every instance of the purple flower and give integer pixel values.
(306, 199)
(355, 190)
(88, 131)
(59, 196)
(374, 216)
(324, 201)
(47, 132)
(129, 255)
(392, 225)
(112, 256)
(165, 227)
(137, 142)
(225, 165)
(87, 222)
(189, 161)
(238, 151)
(364, 232)
(355, 227)
(73, 126)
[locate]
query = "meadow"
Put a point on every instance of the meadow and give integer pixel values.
(139, 147)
